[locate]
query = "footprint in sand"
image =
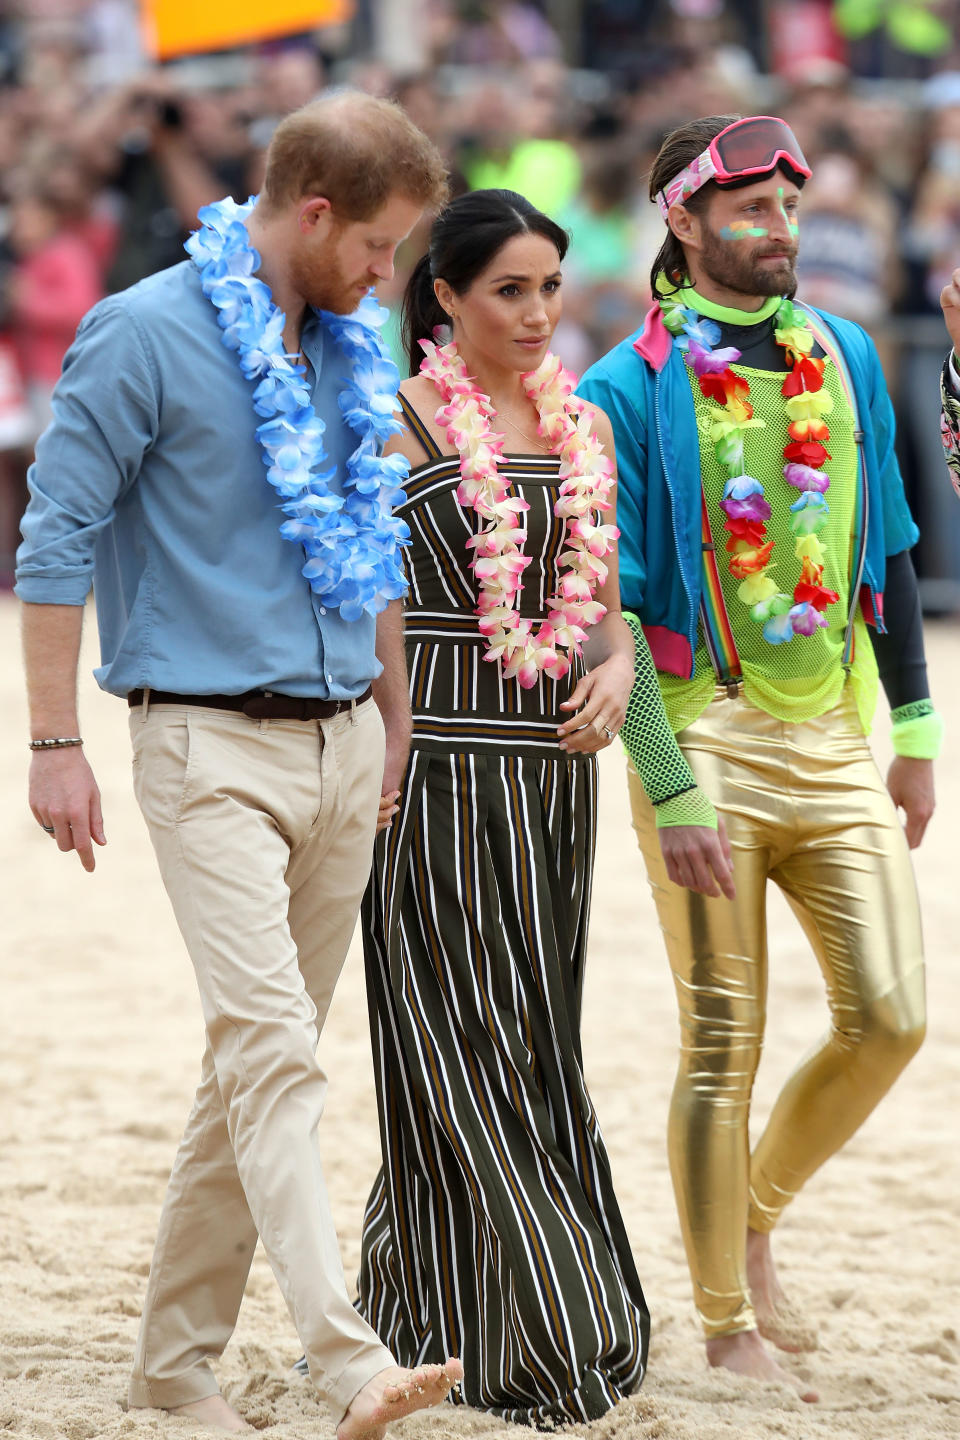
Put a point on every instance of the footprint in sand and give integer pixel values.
(939, 1346)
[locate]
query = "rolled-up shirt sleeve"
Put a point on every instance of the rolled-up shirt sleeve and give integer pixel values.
(106, 411)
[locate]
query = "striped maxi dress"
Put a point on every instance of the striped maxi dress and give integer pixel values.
(492, 1231)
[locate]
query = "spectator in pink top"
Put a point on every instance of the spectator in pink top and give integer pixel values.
(53, 283)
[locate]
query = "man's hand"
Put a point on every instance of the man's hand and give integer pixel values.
(910, 783)
(64, 794)
(950, 305)
(699, 858)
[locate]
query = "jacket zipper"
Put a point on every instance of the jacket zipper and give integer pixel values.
(692, 633)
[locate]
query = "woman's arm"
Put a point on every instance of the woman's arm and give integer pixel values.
(693, 842)
(599, 700)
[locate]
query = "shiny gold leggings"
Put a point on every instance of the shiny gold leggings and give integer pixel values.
(805, 807)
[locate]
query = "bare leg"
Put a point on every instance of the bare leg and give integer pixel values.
(746, 1354)
(213, 1411)
(777, 1319)
(393, 1394)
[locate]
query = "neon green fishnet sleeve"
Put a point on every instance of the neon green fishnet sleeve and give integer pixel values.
(652, 746)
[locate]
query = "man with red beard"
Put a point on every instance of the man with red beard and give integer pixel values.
(763, 525)
(245, 616)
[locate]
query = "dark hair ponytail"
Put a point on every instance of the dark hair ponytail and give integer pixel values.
(421, 313)
(464, 238)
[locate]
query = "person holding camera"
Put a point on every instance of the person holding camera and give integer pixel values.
(149, 142)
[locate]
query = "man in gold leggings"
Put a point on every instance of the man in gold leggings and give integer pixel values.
(763, 526)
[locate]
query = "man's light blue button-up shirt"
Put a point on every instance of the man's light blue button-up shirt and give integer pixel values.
(150, 485)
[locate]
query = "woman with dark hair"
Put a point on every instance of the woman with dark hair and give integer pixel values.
(493, 1230)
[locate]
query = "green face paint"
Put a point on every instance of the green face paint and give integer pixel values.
(742, 230)
(791, 222)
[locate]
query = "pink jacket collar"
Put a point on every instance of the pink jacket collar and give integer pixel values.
(654, 341)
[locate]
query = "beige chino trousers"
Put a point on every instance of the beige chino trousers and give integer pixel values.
(264, 833)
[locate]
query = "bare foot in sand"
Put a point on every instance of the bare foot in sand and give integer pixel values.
(746, 1354)
(213, 1411)
(395, 1393)
(778, 1320)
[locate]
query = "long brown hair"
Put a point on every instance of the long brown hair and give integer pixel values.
(680, 149)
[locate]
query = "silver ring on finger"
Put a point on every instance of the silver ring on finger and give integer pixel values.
(610, 734)
(50, 829)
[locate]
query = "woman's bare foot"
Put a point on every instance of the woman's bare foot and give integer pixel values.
(395, 1393)
(746, 1354)
(777, 1319)
(213, 1411)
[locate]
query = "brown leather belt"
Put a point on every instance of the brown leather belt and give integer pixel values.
(258, 704)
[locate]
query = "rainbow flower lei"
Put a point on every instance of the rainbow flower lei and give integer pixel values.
(352, 541)
(744, 504)
(499, 562)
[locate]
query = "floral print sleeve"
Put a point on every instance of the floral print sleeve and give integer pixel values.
(950, 421)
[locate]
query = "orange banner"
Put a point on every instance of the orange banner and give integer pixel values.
(186, 27)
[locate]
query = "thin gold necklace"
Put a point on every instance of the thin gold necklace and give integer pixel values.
(515, 426)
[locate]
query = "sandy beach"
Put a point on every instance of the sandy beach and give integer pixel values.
(100, 1042)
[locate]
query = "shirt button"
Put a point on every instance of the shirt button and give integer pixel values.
(323, 609)
(329, 679)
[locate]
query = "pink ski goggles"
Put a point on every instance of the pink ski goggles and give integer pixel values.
(752, 146)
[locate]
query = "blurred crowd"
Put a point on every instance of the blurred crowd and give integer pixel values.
(105, 159)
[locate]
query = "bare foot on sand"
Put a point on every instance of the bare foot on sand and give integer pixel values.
(746, 1354)
(777, 1319)
(213, 1411)
(395, 1393)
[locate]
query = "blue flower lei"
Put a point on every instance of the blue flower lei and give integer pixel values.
(352, 542)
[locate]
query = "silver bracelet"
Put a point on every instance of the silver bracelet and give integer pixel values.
(58, 742)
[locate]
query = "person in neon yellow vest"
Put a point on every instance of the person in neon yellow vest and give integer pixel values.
(762, 519)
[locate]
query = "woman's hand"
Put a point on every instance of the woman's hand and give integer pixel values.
(394, 769)
(600, 700)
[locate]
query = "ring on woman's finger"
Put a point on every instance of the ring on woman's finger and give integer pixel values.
(610, 734)
(50, 829)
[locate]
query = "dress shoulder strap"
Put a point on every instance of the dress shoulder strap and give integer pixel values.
(418, 428)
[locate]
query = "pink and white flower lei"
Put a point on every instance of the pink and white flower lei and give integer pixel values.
(499, 562)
